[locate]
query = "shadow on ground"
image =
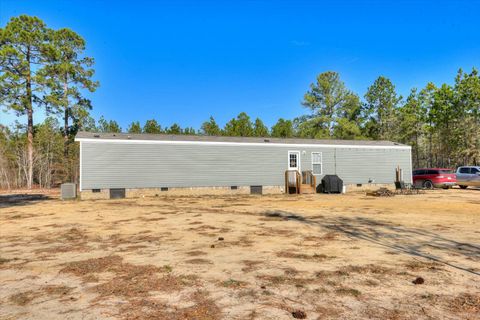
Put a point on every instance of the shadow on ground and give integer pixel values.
(12, 200)
(412, 241)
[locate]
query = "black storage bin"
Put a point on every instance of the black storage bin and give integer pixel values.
(331, 183)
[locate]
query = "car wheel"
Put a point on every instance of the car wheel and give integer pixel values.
(463, 187)
(427, 184)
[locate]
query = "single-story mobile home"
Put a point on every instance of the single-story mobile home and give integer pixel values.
(120, 164)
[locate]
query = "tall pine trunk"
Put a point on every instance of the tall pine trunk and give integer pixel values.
(417, 151)
(29, 108)
(65, 129)
(66, 115)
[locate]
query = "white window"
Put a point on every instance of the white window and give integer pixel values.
(293, 160)
(317, 163)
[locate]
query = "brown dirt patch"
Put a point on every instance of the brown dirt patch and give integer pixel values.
(303, 256)
(279, 280)
(251, 265)
(423, 265)
(203, 308)
(234, 284)
(139, 283)
(196, 253)
(24, 298)
(466, 303)
(94, 265)
(348, 292)
(199, 261)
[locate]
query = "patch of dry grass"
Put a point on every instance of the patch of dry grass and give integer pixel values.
(139, 283)
(24, 298)
(196, 253)
(203, 308)
(369, 268)
(56, 290)
(423, 265)
(466, 303)
(199, 261)
(303, 256)
(74, 239)
(251, 265)
(234, 284)
(384, 313)
(73, 235)
(134, 248)
(348, 292)
(129, 280)
(280, 280)
(94, 265)
(80, 247)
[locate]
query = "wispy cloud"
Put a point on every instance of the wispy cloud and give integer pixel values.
(352, 60)
(299, 43)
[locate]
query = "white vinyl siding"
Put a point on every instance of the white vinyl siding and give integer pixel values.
(130, 164)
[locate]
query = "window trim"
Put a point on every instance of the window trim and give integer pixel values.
(298, 168)
(320, 163)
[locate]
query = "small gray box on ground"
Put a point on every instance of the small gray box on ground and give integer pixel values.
(68, 191)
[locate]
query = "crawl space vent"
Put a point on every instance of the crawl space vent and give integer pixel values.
(117, 193)
(256, 189)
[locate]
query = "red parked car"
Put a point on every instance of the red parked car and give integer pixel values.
(434, 177)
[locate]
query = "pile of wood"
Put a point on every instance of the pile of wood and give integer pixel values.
(382, 192)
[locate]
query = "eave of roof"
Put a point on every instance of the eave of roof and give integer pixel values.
(95, 136)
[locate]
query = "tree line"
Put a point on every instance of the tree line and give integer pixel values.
(46, 69)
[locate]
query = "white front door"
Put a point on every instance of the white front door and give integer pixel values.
(294, 160)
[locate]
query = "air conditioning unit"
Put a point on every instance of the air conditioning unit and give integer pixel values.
(68, 191)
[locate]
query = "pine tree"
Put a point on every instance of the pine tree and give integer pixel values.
(259, 128)
(152, 126)
(134, 127)
(412, 126)
(283, 129)
(211, 128)
(108, 126)
(381, 110)
(189, 131)
(21, 60)
(239, 127)
(67, 73)
(174, 129)
(328, 100)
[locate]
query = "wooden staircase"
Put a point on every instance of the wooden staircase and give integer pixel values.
(306, 188)
(300, 183)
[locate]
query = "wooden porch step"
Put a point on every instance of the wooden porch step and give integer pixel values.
(306, 188)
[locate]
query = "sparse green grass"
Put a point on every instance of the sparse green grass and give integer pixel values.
(167, 268)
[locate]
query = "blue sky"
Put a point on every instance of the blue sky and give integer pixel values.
(182, 61)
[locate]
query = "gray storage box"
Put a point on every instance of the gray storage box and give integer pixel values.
(68, 191)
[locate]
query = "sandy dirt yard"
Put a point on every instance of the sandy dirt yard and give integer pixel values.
(242, 257)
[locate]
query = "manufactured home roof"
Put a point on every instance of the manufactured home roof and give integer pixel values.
(199, 138)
